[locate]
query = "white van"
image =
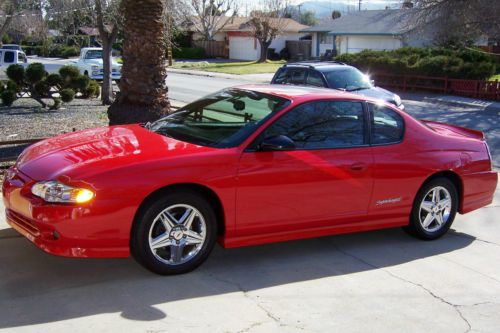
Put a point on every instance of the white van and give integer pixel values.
(9, 57)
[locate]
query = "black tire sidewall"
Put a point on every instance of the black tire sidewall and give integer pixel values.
(415, 227)
(139, 241)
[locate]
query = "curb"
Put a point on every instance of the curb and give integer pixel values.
(215, 74)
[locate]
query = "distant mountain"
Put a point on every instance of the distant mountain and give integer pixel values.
(325, 8)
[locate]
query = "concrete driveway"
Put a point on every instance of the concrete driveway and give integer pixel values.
(382, 281)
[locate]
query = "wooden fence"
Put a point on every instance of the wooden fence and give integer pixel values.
(468, 88)
(299, 49)
(213, 48)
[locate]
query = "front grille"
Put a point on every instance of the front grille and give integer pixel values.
(23, 222)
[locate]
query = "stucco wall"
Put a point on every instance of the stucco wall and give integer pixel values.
(355, 44)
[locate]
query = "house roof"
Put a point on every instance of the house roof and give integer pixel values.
(241, 24)
(368, 22)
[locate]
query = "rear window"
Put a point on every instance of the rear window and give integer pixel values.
(9, 57)
(291, 76)
(387, 126)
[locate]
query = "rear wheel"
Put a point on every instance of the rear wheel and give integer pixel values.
(175, 234)
(434, 209)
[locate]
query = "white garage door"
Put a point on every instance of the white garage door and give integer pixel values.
(242, 48)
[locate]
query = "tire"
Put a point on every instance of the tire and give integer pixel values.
(188, 242)
(430, 219)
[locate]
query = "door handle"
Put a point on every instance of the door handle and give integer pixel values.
(360, 166)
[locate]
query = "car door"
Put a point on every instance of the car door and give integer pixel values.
(326, 180)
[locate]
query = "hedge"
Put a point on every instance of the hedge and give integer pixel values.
(439, 62)
(52, 50)
(188, 53)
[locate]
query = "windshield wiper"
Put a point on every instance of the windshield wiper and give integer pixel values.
(358, 88)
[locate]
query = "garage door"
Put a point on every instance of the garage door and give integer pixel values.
(242, 48)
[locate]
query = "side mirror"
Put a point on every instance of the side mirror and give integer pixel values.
(277, 143)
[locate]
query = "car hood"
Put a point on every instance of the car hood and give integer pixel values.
(377, 92)
(87, 152)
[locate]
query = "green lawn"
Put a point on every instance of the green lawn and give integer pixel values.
(248, 67)
(495, 77)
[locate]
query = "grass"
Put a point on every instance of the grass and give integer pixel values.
(247, 67)
(495, 77)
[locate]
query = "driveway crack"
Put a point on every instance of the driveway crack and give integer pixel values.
(456, 307)
(268, 313)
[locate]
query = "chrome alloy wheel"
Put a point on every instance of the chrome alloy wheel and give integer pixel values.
(435, 209)
(177, 234)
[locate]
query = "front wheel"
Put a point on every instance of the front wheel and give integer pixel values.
(434, 209)
(175, 234)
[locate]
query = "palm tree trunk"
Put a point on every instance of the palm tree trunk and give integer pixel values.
(143, 91)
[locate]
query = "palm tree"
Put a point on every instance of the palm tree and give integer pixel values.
(143, 91)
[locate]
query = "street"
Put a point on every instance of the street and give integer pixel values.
(372, 281)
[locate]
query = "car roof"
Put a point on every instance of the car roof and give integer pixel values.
(303, 93)
(318, 65)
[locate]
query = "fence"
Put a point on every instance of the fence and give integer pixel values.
(299, 49)
(468, 88)
(213, 48)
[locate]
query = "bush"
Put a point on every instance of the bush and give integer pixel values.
(436, 61)
(70, 51)
(188, 53)
(54, 80)
(93, 90)
(67, 95)
(8, 97)
(35, 72)
(52, 50)
(69, 72)
(15, 73)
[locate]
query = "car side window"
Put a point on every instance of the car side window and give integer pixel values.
(291, 76)
(315, 79)
(8, 57)
(21, 57)
(319, 125)
(387, 126)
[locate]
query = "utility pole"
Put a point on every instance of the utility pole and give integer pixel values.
(359, 5)
(300, 17)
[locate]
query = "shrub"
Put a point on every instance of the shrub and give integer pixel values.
(35, 72)
(57, 104)
(67, 95)
(188, 53)
(15, 73)
(54, 80)
(69, 72)
(437, 61)
(8, 97)
(81, 82)
(42, 88)
(70, 51)
(93, 90)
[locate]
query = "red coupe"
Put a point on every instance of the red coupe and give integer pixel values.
(244, 166)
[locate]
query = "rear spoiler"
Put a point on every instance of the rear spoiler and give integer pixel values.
(467, 132)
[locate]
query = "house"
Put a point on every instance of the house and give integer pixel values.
(237, 34)
(387, 29)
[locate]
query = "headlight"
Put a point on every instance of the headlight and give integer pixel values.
(95, 68)
(54, 191)
(397, 99)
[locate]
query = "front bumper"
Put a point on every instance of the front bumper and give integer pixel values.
(100, 77)
(64, 229)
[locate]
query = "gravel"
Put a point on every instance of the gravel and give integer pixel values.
(26, 120)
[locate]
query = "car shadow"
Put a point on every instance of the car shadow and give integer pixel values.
(38, 288)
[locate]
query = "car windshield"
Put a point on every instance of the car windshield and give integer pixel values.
(349, 79)
(94, 54)
(224, 119)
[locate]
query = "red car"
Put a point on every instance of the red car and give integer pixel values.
(245, 166)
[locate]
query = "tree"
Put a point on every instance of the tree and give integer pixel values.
(267, 24)
(209, 16)
(143, 90)
(308, 18)
(10, 8)
(336, 14)
(108, 19)
(458, 21)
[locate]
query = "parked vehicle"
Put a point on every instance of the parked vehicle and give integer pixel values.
(90, 64)
(333, 75)
(10, 57)
(12, 47)
(245, 166)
